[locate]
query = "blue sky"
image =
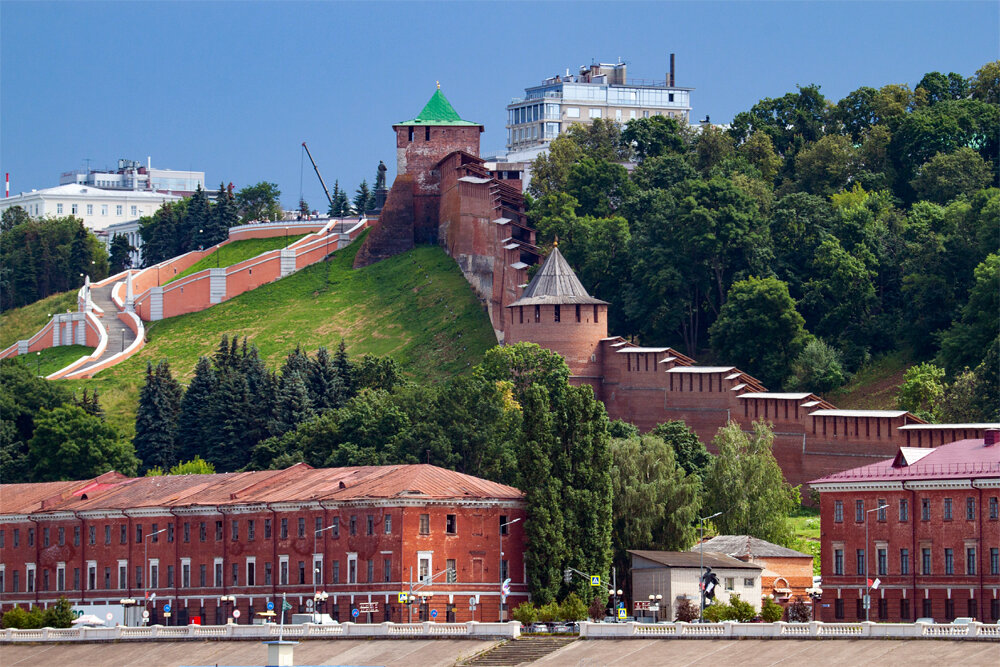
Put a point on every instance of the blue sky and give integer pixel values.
(233, 88)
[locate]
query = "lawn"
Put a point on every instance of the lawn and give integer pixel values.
(874, 386)
(24, 322)
(235, 252)
(415, 307)
(48, 361)
(805, 524)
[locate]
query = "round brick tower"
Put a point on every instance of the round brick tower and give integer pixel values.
(556, 312)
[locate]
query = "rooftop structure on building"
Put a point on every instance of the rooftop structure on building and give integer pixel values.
(600, 90)
(134, 176)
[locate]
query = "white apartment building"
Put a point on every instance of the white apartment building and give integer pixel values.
(601, 90)
(98, 208)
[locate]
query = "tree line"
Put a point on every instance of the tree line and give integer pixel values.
(803, 239)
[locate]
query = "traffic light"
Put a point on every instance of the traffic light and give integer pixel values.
(567, 575)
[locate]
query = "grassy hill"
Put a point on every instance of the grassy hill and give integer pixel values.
(236, 252)
(874, 387)
(24, 322)
(415, 307)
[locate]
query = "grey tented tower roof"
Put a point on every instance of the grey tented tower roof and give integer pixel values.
(555, 283)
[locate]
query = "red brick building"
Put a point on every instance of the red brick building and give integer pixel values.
(358, 534)
(935, 545)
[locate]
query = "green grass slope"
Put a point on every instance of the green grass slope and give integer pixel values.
(235, 252)
(48, 361)
(415, 307)
(875, 386)
(24, 322)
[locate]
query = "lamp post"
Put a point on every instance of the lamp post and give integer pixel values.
(500, 571)
(654, 605)
(868, 586)
(145, 562)
(701, 569)
(228, 599)
(38, 362)
(316, 569)
(615, 594)
(319, 599)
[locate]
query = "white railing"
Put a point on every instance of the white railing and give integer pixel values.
(471, 629)
(980, 631)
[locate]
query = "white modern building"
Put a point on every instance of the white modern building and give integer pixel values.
(600, 90)
(97, 207)
(135, 176)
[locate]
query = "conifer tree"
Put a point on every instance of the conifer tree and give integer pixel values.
(230, 413)
(292, 406)
(326, 389)
(224, 215)
(120, 254)
(345, 370)
(296, 362)
(156, 417)
(362, 197)
(262, 385)
(197, 220)
(193, 427)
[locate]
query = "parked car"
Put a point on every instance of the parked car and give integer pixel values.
(963, 620)
(564, 628)
(925, 619)
(538, 627)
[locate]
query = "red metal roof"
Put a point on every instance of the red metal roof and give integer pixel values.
(959, 459)
(299, 483)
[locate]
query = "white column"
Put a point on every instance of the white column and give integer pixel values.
(217, 285)
(55, 331)
(81, 328)
(155, 303)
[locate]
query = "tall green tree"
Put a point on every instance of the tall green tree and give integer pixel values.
(688, 450)
(259, 202)
(197, 220)
(120, 255)
(68, 443)
(23, 396)
(947, 175)
(12, 217)
(971, 335)
(745, 484)
(156, 417)
(292, 405)
(224, 215)
(362, 197)
(193, 426)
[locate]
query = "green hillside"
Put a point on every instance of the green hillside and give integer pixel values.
(235, 252)
(24, 322)
(416, 308)
(874, 387)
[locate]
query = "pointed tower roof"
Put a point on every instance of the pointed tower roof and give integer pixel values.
(555, 283)
(438, 111)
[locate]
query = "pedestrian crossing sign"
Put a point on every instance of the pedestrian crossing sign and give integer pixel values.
(595, 580)
(622, 612)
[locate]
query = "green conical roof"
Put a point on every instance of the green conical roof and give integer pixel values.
(438, 111)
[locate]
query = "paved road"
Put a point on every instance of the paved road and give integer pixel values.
(593, 653)
(119, 335)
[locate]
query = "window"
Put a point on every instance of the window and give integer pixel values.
(335, 531)
(251, 529)
(859, 609)
(371, 571)
(236, 574)
(503, 524)
(928, 608)
(883, 609)
(170, 532)
(336, 571)
(386, 569)
(45, 580)
(187, 532)
(881, 512)
(995, 609)
(16, 582)
(317, 570)
(882, 556)
(122, 574)
(283, 570)
(92, 534)
(352, 568)
(838, 561)
(302, 526)
(17, 537)
(370, 525)
(76, 536)
(217, 582)
(424, 568)
(994, 509)
(267, 529)
(904, 561)
(452, 575)
(925, 509)
(62, 536)
(618, 115)
(904, 609)
(949, 609)
(31, 537)
(925, 561)
(202, 532)
(138, 534)
(947, 509)
(267, 573)
(118, 209)
(235, 531)
(748, 582)
(972, 608)
(302, 572)
(949, 561)
(994, 560)
(135, 210)
(59, 209)
(449, 524)
(353, 525)
(427, 133)
(838, 609)
(904, 510)
(218, 531)
(730, 583)
(185, 574)
(859, 511)
(104, 209)
(595, 113)
(861, 561)
(572, 112)
(411, 134)
(970, 560)
(45, 536)
(425, 524)
(284, 529)
(596, 314)
(557, 313)
(388, 526)
(251, 572)
(538, 314)
(970, 509)
(90, 209)
(838, 511)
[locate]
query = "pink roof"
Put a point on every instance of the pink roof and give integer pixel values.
(960, 459)
(299, 483)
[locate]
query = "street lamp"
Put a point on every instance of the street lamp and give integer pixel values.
(501, 572)
(145, 562)
(701, 569)
(614, 602)
(654, 604)
(228, 599)
(126, 603)
(38, 362)
(319, 599)
(316, 569)
(868, 586)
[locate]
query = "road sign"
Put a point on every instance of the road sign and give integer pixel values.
(434, 613)
(595, 581)
(109, 616)
(368, 607)
(622, 612)
(472, 601)
(641, 605)
(166, 608)
(270, 606)
(145, 613)
(309, 604)
(285, 605)
(354, 613)
(401, 598)
(236, 613)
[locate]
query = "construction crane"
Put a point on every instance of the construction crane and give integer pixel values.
(318, 174)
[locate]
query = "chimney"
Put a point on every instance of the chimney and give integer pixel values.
(991, 437)
(670, 80)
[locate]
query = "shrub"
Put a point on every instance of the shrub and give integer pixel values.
(716, 612)
(572, 608)
(596, 608)
(549, 612)
(818, 368)
(740, 610)
(799, 612)
(525, 613)
(687, 610)
(20, 618)
(771, 611)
